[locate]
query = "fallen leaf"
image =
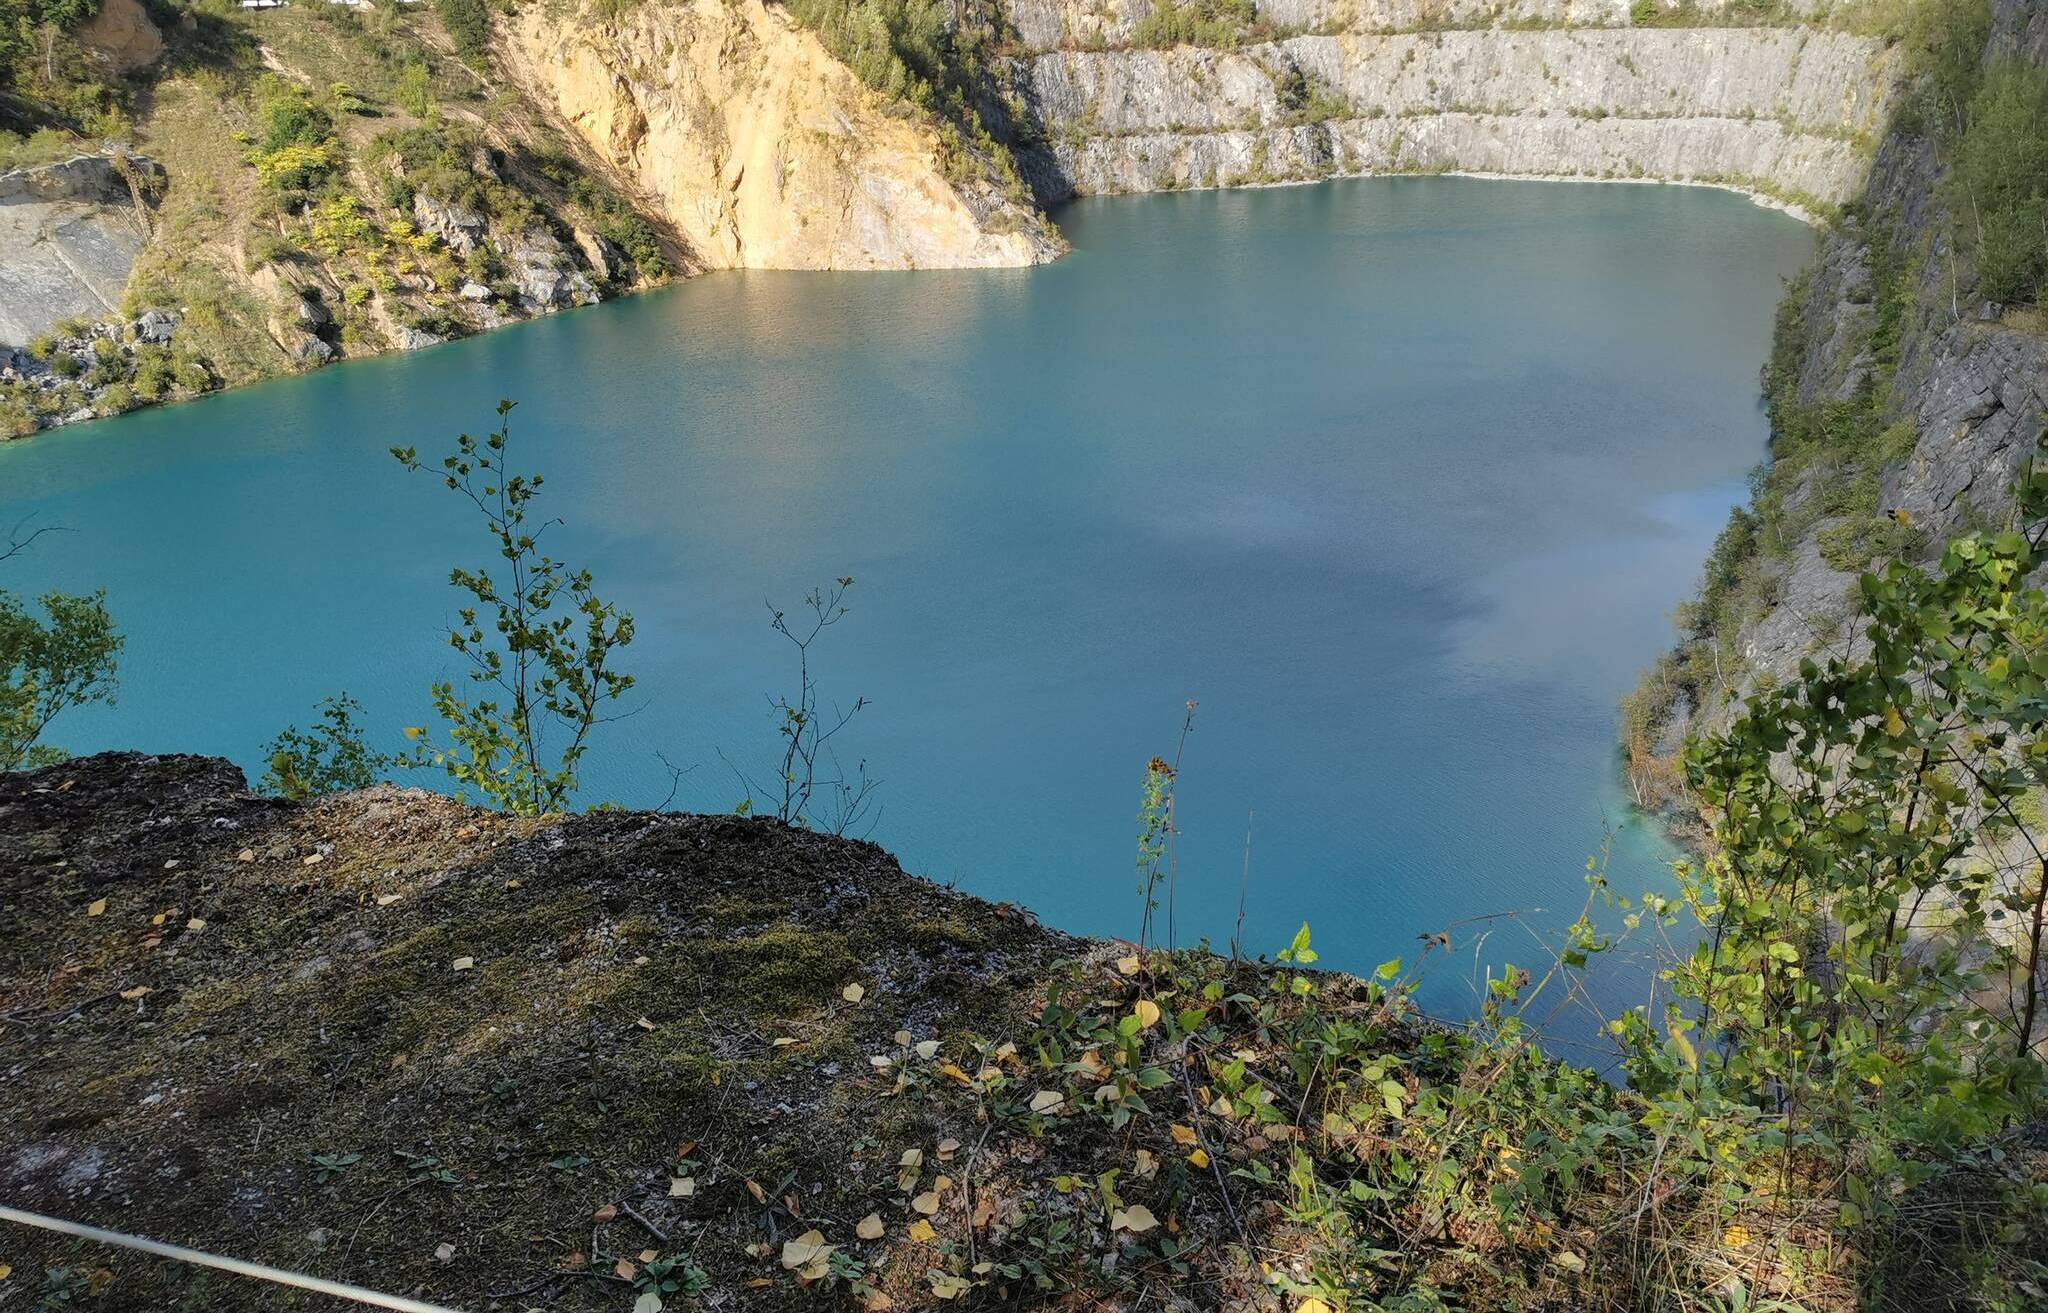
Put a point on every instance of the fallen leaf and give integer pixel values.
(644, 1024)
(947, 1148)
(808, 1255)
(97, 907)
(445, 1252)
(649, 1302)
(782, 1042)
(196, 924)
(463, 963)
(1147, 1013)
(1569, 1261)
(605, 1214)
(927, 1049)
(947, 1286)
(926, 1203)
(921, 1231)
(1129, 965)
(1148, 1166)
(869, 1227)
(6, 1271)
(386, 900)
(877, 1302)
(1047, 1100)
(314, 859)
(132, 994)
(911, 1158)
(1311, 1305)
(624, 1270)
(902, 1039)
(681, 1187)
(1136, 1219)
(853, 993)
(246, 855)
(754, 1189)
(1199, 1157)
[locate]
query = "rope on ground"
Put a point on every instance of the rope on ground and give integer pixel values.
(239, 1266)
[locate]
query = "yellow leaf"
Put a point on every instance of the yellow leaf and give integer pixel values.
(1136, 1219)
(921, 1231)
(1736, 1237)
(877, 1302)
(1893, 724)
(462, 964)
(951, 1071)
(911, 1158)
(926, 1203)
(1183, 1135)
(805, 1250)
(98, 907)
(1129, 965)
(6, 1271)
(1199, 1157)
(869, 1227)
(1147, 1013)
(413, 731)
(132, 994)
(1311, 1305)
(196, 924)
(853, 993)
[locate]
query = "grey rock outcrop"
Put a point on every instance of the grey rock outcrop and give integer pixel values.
(461, 228)
(69, 235)
(546, 277)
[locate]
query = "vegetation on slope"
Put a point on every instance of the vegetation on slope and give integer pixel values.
(294, 142)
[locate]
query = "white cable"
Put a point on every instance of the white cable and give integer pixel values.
(241, 1267)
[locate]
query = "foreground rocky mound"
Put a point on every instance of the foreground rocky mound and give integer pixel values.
(342, 1036)
(631, 1061)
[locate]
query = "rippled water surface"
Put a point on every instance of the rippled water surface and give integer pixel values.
(1400, 479)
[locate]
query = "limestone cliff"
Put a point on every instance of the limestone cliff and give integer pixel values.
(1551, 88)
(69, 234)
(1928, 400)
(764, 151)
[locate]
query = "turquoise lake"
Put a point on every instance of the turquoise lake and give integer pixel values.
(1400, 479)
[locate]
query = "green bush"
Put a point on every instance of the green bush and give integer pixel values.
(468, 24)
(2001, 167)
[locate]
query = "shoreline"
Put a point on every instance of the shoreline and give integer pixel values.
(1761, 199)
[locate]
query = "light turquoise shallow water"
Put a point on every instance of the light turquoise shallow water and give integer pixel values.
(1400, 478)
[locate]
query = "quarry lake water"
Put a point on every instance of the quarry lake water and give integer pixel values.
(1400, 479)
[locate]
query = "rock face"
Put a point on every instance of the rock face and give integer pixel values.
(69, 235)
(121, 36)
(1350, 89)
(764, 150)
(1971, 387)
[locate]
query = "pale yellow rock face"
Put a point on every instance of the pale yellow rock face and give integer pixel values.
(764, 151)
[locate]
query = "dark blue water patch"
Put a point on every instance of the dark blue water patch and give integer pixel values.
(1400, 479)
